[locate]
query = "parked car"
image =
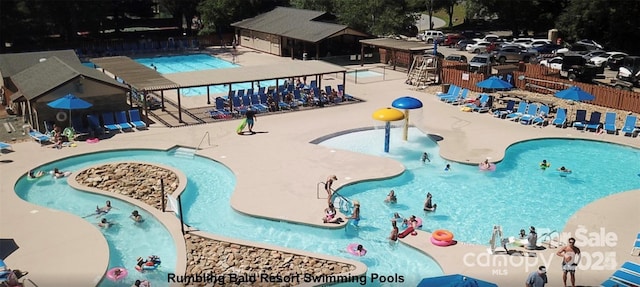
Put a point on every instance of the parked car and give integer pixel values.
(480, 61)
(512, 54)
(587, 42)
(451, 40)
(575, 67)
(602, 59)
(593, 53)
(478, 47)
(521, 41)
(538, 42)
(553, 63)
(616, 63)
(576, 48)
(547, 48)
(490, 38)
(472, 34)
(462, 44)
(430, 36)
(457, 58)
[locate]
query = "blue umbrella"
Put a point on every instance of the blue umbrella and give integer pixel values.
(494, 83)
(575, 94)
(70, 102)
(456, 280)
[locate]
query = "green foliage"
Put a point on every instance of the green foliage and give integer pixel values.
(377, 17)
(317, 5)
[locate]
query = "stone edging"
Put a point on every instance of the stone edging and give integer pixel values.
(231, 256)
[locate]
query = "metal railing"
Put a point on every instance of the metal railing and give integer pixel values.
(345, 205)
(206, 135)
(549, 239)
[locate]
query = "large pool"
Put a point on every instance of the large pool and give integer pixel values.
(198, 62)
(469, 202)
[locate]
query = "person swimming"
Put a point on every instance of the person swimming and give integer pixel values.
(33, 174)
(425, 157)
(564, 169)
(391, 197)
(447, 167)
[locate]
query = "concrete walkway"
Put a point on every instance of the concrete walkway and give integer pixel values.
(264, 164)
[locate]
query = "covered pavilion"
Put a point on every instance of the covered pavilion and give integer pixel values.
(397, 51)
(142, 79)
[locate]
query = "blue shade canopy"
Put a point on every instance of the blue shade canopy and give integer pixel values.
(494, 83)
(406, 103)
(575, 94)
(70, 102)
(456, 280)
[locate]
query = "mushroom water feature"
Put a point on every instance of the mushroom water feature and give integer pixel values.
(387, 115)
(407, 103)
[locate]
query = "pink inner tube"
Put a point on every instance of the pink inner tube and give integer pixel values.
(492, 167)
(440, 242)
(419, 221)
(93, 140)
(352, 248)
(111, 274)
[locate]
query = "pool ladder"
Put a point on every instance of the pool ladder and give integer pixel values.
(549, 238)
(345, 205)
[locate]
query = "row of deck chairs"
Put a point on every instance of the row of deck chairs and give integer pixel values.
(459, 96)
(532, 113)
(628, 275)
(237, 102)
(111, 122)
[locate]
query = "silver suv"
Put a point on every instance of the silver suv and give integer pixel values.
(513, 54)
(430, 36)
(479, 62)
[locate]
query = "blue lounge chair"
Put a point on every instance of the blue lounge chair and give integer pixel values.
(255, 102)
(532, 113)
(454, 93)
(281, 104)
(484, 98)
(297, 97)
(522, 109)
(94, 124)
(629, 128)
(612, 283)
(458, 99)
(109, 122)
(543, 113)
(4, 146)
(631, 267)
(581, 119)
(78, 126)
(610, 123)
(346, 97)
(237, 105)
(636, 246)
(561, 118)
(39, 137)
(451, 91)
(121, 120)
(501, 113)
(136, 120)
(594, 121)
(626, 277)
(221, 109)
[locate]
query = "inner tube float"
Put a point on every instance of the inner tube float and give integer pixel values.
(241, 127)
(37, 176)
(151, 264)
(442, 237)
(352, 248)
(418, 221)
(61, 174)
(117, 273)
(544, 166)
(93, 140)
(61, 116)
(491, 167)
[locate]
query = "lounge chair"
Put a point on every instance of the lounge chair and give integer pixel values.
(297, 97)
(532, 113)
(522, 109)
(501, 113)
(237, 105)
(541, 118)
(610, 123)
(449, 92)
(221, 109)
(612, 283)
(631, 267)
(109, 122)
(121, 120)
(281, 104)
(484, 98)
(4, 146)
(255, 102)
(581, 119)
(39, 137)
(341, 93)
(458, 99)
(629, 128)
(626, 277)
(454, 92)
(136, 120)
(594, 121)
(561, 118)
(636, 245)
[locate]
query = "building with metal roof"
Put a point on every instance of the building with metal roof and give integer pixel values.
(292, 32)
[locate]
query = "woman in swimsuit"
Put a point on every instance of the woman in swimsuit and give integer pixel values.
(394, 232)
(327, 186)
(391, 197)
(330, 215)
(356, 213)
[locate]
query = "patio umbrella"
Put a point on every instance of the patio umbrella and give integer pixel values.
(69, 102)
(456, 280)
(7, 246)
(494, 83)
(407, 103)
(574, 93)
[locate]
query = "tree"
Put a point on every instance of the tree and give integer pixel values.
(317, 5)
(382, 17)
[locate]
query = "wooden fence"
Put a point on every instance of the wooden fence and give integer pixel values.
(544, 80)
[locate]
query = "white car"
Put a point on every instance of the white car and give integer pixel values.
(537, 43)
(602, 59)
(478, 47)
(553, 63)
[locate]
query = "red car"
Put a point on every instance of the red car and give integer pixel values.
(451, 40)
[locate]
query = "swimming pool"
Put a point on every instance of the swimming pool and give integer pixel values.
(198, 62)
(364, 74)
(470, 202)
(127, 240)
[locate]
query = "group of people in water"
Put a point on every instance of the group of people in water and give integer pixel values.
(104, 210)
(56, 173)
(425, 159)
(563, 170)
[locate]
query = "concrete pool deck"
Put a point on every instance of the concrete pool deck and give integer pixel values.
(278, 174)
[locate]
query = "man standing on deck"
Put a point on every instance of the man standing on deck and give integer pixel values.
(251, 117)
